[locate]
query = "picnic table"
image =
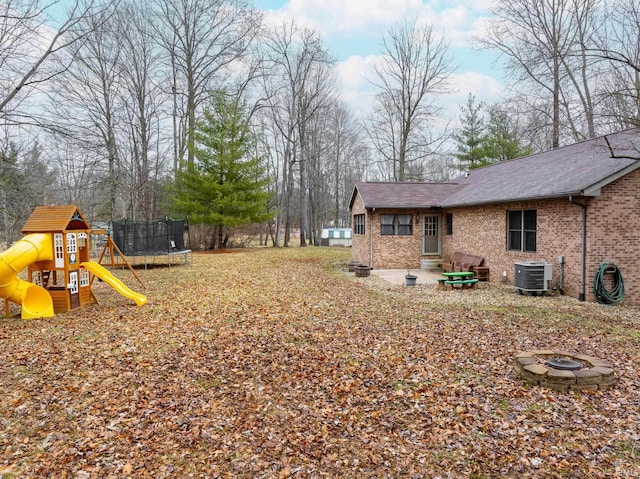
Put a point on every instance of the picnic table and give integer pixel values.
(461, 279)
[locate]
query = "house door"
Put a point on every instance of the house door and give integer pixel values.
(73, 290)
(431, 234)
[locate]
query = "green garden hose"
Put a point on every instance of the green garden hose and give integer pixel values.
(600, 291)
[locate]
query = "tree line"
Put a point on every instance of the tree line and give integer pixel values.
(199, 108)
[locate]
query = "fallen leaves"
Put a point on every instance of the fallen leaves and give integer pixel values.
(275, 363)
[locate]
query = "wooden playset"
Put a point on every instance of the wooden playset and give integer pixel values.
(56, 251)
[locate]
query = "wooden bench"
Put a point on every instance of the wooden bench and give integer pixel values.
(460, 261)
(481, 272)
(463, 283)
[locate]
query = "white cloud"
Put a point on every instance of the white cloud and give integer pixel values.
(373, 18)
(350, 24)
(484, 87)
(357, 91)
(357, 17)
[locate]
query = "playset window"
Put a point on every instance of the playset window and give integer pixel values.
(72, 245)
(58, 246)
(84, 278)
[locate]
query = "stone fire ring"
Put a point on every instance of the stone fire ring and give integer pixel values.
(592, 375)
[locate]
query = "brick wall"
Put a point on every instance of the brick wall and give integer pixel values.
(483, 231)
(613, 235)
(387, 251)
(393, 251)
(613, 230)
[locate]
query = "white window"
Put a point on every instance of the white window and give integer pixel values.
(84, 277)
(72, 245)
(58, 247)
(72, 248)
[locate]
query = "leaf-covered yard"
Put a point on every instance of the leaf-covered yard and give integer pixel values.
(277, 363)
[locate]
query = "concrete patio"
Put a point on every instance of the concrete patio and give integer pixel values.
(396, 276)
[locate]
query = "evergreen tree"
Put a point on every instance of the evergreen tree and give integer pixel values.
(25, 182)
(11, 182)
(226, 185)
(501, 142)
(471, 136)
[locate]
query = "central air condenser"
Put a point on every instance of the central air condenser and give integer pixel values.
(532, 276)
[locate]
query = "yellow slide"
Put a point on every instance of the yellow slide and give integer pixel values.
(35, 300)
(104, 274)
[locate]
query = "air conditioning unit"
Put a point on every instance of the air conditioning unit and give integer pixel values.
(532, 277)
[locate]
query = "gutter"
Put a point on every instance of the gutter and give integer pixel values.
(570, 194)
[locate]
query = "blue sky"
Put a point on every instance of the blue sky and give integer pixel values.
(353, 30)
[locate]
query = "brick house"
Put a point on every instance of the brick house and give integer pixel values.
(581, 202)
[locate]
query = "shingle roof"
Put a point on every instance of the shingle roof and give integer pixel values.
(403, 195)
(580, 169)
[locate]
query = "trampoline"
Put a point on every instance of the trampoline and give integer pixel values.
(168, 239)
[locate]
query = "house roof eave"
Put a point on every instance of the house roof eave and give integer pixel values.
(404, 207)
(353, 196)
(567, 195)
(596, 188)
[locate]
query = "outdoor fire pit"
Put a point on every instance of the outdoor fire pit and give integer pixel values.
(563, 371)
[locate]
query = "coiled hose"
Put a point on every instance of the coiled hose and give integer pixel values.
(600, 291)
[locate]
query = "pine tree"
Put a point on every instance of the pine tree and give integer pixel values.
(226, 185)
(471, 136)
(501, 143)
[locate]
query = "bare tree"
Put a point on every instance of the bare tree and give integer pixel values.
(88, 100)
(203, 38)
(80, 175)
(618, 46)
(139, 69)
(346, 149)
(30, 37)
(415, 68)
(299, 84)
(545, 46)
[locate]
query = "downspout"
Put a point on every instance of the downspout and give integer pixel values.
(583, 269)
(371, 238)
(583, 250)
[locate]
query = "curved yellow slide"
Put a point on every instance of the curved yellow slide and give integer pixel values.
(104, 274)
(35, 300)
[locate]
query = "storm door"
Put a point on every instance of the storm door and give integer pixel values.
(431, 234)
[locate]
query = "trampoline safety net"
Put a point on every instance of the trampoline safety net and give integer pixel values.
(150, 238)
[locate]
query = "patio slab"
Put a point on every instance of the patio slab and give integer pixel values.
(396, 276)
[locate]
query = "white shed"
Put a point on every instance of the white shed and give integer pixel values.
(336, 237)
